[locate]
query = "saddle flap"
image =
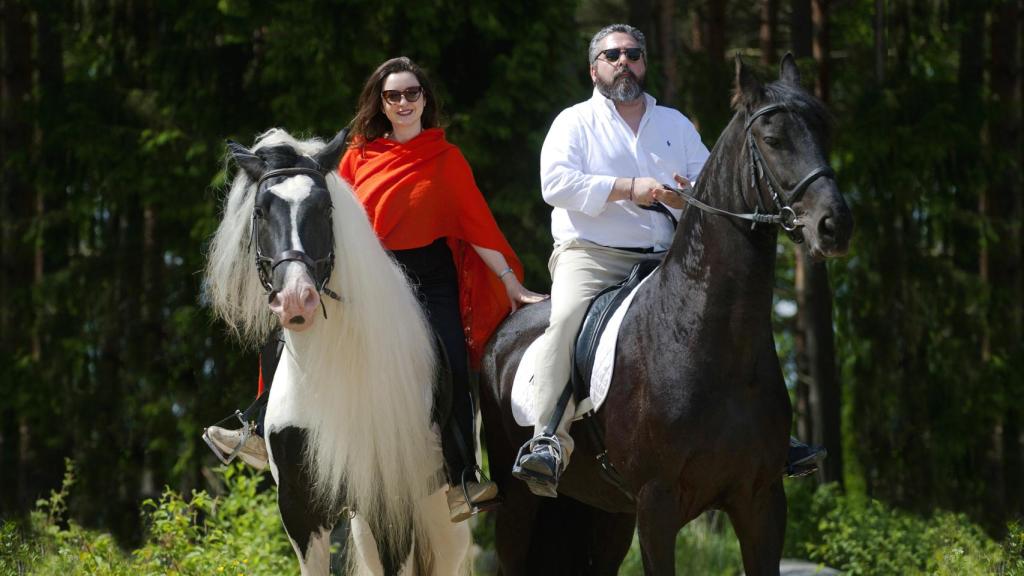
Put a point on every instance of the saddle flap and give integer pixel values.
(600, 311)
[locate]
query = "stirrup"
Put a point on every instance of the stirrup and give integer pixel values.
(248, 429)
(482, 506)
(552, 443)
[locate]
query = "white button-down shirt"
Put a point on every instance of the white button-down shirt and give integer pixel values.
(589, 145)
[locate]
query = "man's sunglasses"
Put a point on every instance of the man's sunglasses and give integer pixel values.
(395, 96)
(612, 54)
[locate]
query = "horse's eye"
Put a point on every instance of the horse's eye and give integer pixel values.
(259, 212)
(771, 141)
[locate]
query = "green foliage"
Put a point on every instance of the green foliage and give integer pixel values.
(861, 536)
(239, 533)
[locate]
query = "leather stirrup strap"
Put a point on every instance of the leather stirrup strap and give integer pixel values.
(560, 406)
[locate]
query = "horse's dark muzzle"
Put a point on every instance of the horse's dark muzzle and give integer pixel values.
(833, 231)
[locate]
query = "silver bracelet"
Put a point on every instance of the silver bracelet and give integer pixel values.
(503, 272)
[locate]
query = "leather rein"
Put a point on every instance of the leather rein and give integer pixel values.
(785, 216)
(320, 269)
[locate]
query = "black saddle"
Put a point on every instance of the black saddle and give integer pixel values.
(600, 311)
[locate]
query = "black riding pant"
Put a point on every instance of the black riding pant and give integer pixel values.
(431, 272)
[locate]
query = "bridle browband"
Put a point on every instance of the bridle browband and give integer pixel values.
(320, 270)
(785, 217)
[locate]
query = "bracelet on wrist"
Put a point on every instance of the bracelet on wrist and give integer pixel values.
(501, 276)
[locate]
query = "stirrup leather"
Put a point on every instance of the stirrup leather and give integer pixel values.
(248, 429)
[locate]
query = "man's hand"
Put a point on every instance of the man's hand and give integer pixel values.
(645, 191)
(671, 198)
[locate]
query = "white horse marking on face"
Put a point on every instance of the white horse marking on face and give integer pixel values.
(293, 191)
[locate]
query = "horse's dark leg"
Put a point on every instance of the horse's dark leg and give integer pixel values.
(308, 525)
(760, 525)
(611, 535)
(514, 529)
(658, 522)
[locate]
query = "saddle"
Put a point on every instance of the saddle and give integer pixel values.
(600, 311)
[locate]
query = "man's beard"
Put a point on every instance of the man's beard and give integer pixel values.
(625, 87)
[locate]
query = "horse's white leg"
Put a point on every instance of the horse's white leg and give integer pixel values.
(317, 561)
(366, 555)
(449, 542)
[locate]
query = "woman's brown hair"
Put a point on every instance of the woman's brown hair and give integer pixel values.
(370, 122)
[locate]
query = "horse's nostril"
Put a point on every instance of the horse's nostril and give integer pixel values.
(827, 226)
(309, 298)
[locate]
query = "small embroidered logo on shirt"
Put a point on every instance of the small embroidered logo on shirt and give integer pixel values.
(669, 143)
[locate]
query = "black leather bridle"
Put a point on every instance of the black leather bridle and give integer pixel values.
(784, 216)
(320, 269)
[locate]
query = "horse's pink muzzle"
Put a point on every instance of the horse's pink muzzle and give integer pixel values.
(296, 305)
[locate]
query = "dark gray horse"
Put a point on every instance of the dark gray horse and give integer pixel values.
(697, 416)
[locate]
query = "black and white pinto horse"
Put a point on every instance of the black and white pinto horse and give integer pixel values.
(348, 423)
(697, 416)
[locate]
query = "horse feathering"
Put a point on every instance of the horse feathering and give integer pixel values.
(366, 371)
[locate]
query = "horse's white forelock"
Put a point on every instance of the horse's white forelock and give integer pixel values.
(366, 372)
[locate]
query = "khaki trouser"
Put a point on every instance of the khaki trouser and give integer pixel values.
(579, 270)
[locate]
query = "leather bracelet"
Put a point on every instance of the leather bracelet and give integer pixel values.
(504, 272)
(632, 183)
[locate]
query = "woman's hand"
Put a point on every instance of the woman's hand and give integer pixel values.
(518, 294)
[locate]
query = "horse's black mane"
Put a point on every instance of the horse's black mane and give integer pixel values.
(799, 100)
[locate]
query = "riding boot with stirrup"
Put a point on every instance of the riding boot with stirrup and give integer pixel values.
(247, 442)
(468, 494)
(471, 497)
(243, 443)
(802, 459)
(539, 464)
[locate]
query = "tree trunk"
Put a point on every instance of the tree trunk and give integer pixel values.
(801, 29)
(17, 206)
(815, 345)
(769, 30)
(668, 47)
(880, 42)
(1002, 207)
(821, 49)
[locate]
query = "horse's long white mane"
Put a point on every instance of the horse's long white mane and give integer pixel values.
(366, 372)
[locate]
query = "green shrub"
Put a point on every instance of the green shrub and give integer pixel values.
(862, 536)
(237, 534)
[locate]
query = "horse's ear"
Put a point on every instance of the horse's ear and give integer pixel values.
(252, 164)
(329, 155)
(788, 70)
(749, 90)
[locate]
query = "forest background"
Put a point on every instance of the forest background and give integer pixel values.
(901, 357)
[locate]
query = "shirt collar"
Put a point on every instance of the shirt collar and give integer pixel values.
(600, 100)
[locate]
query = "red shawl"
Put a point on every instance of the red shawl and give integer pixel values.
(422, 190)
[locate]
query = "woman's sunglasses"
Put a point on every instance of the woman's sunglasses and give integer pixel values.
(395, 96)
(612, 54)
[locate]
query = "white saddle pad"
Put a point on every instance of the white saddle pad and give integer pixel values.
(524, 404)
